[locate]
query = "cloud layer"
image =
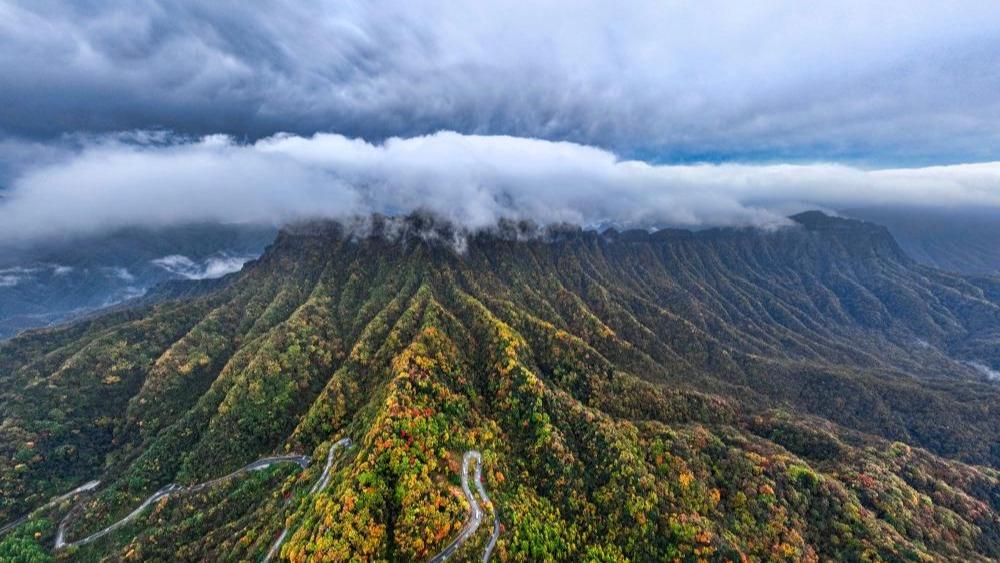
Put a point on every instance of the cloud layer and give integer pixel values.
(873, 82)
(471, 180)
(211, 268)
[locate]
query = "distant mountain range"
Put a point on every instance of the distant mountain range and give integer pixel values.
(56, 280)
(958, 240)
(810, 393)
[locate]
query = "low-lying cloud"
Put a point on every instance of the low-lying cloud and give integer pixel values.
(471, 180)
(985, 370)
(16, 275)
(211, 268)
(10, 277)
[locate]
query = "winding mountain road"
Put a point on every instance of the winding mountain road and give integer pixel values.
(496, 515)
(469, 528)
(89, 486)
(319, 485)
(260, 464)
(476, 512)
(324, 478)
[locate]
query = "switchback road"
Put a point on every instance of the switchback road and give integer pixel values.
(89, 486)
(173, 488)
(475, 512)
(319, 485)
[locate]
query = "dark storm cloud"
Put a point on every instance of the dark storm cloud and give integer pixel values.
(861, 81)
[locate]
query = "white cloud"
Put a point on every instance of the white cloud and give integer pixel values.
(210, 268)
(10, 277)
(985, 370)
(122, 295)
(471, 180)
(16, 275)
(120, 273)
(175, 263)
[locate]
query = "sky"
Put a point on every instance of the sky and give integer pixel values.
(640, 113)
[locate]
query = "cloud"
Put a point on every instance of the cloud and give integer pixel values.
(10, 277)
(888, 81)
(471, 180)
(212, 267)
(985, 370)
(122, 295)
(120, 273)
(16, 275)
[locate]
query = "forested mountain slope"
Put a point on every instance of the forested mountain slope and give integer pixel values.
(801, 394)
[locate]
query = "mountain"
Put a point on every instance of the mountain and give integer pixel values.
(960, 240)
(804, 393)
(54, 280)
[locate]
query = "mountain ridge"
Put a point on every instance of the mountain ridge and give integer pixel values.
(720, 393)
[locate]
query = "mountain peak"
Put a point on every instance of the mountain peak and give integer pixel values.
(815, 220)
